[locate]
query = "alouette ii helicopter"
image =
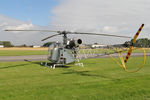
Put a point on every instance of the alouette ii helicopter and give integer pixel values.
(60, 54)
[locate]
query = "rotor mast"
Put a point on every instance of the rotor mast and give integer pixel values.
(64, 37)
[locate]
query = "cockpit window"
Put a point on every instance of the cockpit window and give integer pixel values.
(51, 48)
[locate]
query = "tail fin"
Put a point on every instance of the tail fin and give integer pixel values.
(133, 42)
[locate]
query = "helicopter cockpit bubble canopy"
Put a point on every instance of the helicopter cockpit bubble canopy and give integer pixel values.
(53, 52)
(70, 44)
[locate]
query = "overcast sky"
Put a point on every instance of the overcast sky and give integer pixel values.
(120, 17)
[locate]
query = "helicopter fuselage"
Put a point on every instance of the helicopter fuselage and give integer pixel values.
(64, 54)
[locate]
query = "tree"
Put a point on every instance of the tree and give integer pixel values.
(1, 43)
(7, 44)
(23, 45)
(95, 43)
(127, 43)
(148, 43)
(143, 42)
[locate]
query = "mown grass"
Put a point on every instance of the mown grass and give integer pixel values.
(44, 52)
(97, 51)
(22, 52)
(100, 79)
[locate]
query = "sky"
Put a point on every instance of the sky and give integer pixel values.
(36, 11)
(120, 17)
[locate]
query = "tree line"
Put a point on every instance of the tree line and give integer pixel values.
(6, 43)
(142, 42)
(9, 44)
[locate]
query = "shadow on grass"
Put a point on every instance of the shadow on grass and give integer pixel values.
(31, 62)
(21, 65)
(86, 73)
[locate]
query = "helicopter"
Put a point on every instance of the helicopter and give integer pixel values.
(61, 54)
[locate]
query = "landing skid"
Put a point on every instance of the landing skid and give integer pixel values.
(78, 63)
(50, 65)
(53, 66)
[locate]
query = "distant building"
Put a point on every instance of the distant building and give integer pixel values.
(98, 46)
(1, 46)
(36, 46)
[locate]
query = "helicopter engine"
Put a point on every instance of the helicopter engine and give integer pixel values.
(78, 42)
(73, 43)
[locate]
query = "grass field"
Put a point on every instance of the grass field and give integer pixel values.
(44, 51)
(100, 79)
(22, 51)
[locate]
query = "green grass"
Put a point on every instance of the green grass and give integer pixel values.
(44, 52)
(100, 79)
(22, 52)
(96, 51)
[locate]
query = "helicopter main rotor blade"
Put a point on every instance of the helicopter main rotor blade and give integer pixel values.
(101, 34)
(33, 30)
(50, 37)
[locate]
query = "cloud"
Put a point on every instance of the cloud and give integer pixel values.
(109, 16)
(110, 29)
(18, 38)
(120, 17)
(3, 24)
(22, 27)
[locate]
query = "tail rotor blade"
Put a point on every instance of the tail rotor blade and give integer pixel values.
(133, 42)
(137, 34)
